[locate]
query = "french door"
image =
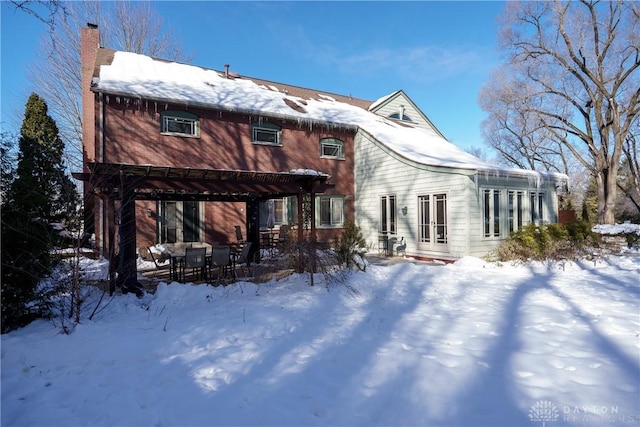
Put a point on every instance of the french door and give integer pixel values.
(432, 222)
(180, 222)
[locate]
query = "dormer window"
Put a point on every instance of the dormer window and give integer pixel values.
(179, 123)
(397, 117)
(266, 133)
(331, 148)
(400, 115)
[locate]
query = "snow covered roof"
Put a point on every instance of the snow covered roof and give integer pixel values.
(135, 75)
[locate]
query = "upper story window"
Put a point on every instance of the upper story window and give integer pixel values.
(331, 148)
(266, 133)
(179, 123)
(397, 116)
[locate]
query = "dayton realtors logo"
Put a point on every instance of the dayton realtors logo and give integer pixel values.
(544, 411)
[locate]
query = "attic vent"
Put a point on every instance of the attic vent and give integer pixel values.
(295, 106)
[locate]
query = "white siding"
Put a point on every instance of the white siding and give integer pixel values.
(378, 172)
(395, 104)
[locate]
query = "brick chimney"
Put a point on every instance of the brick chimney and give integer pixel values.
(89, 44)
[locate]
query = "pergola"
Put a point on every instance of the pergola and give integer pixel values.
(128, 183)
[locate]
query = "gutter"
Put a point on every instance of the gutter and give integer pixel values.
(248, 111)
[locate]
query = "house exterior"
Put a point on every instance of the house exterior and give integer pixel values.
(185, 154)
(439, 201)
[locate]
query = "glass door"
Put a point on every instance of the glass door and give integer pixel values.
(180, 222)
(191, 224)
(433, 231)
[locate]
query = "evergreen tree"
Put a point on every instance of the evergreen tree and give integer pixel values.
(39, 195)
(590, 202)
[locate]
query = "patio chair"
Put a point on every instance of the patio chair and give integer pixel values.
(239, 237)
(383, 244)
(156, 262)
(221, 259)
(195, 259)
(283, 235)
(243, 257)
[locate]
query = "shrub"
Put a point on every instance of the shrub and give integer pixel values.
(551, 241)
(350, 246)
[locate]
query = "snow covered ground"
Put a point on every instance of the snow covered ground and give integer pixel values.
(467, 344)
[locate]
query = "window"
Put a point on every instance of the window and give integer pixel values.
(492, 225)
(516, 210)
(536, 206)
(180, 221)
(331, 148)
(280, 212)
(179, 123)
(388, 214)
(330, 211)
(397, 116)
(424, 221)
(266, 133)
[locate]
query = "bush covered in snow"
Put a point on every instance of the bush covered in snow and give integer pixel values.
(549, 241)
(351, 246)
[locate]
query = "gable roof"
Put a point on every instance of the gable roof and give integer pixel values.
(140, 76)
(400, 97)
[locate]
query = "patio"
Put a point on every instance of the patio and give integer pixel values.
(127, 183)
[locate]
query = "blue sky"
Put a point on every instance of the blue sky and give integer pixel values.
(439, 53)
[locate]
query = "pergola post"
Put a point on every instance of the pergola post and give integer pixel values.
(127, 271)
(300, 217)
(253, 227)
(110, 240)
(312, 238)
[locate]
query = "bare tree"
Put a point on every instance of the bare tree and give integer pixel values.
(574, 84)
(125, 25)
(44, 10)
(518, 136)
(629, 182)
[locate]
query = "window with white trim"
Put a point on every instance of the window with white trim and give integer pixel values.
(536, 205)
(515, 205)
(330, 211)
(491, 213)
(397, 116)
(266, 133)
(331, 148)
(179, 123)
(388, 214)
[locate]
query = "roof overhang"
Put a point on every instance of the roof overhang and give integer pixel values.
(170, 183)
